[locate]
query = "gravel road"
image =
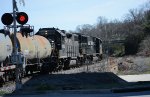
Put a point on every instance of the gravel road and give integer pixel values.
(136, 78)
(10, 87)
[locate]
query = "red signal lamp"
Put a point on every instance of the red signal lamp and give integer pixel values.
(7, 19)
(22, 18)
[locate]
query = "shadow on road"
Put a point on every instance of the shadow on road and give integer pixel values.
(106, 82)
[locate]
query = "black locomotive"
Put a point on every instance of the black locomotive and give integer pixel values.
(70, 46)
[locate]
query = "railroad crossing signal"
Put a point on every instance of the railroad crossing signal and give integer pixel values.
(21, 17)
(7, 19)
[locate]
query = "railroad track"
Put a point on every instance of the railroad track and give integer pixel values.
(99, 66)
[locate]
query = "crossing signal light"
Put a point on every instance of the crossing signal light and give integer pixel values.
(22, 18)
(7, 19)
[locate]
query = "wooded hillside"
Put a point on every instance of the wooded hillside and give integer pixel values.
(134, 28)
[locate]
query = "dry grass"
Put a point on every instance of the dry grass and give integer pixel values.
(134, 65)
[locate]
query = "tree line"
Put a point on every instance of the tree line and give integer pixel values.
(134, 29)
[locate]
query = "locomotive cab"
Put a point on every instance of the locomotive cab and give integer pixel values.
(53, 35)
(83, 42)
(57, 39)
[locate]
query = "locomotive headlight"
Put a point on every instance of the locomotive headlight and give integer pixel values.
(45, 32)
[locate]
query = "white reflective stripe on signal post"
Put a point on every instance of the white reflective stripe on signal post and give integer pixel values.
(17, 71)
(7, 68)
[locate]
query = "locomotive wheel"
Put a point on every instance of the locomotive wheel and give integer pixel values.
(78, 61)
(45, 68)
(67, 63)
(31, 71)
(26, 70)
(53, 66)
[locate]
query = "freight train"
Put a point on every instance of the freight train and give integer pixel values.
(50, 49)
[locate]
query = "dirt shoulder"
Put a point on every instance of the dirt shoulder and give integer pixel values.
(133, 65)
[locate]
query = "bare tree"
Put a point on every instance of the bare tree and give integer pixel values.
(22, 2)
(145, 47)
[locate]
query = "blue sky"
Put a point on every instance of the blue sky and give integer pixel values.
(68, 14)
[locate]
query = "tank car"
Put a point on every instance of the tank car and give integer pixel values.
(5, 51)
(35, 50)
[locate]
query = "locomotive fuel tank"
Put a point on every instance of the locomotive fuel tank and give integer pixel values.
(34, 47)
(5, 47)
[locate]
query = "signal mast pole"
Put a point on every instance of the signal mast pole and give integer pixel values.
(15, 49)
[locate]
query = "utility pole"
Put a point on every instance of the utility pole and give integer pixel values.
(16, 57)
(15, 50)
(107, 46)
